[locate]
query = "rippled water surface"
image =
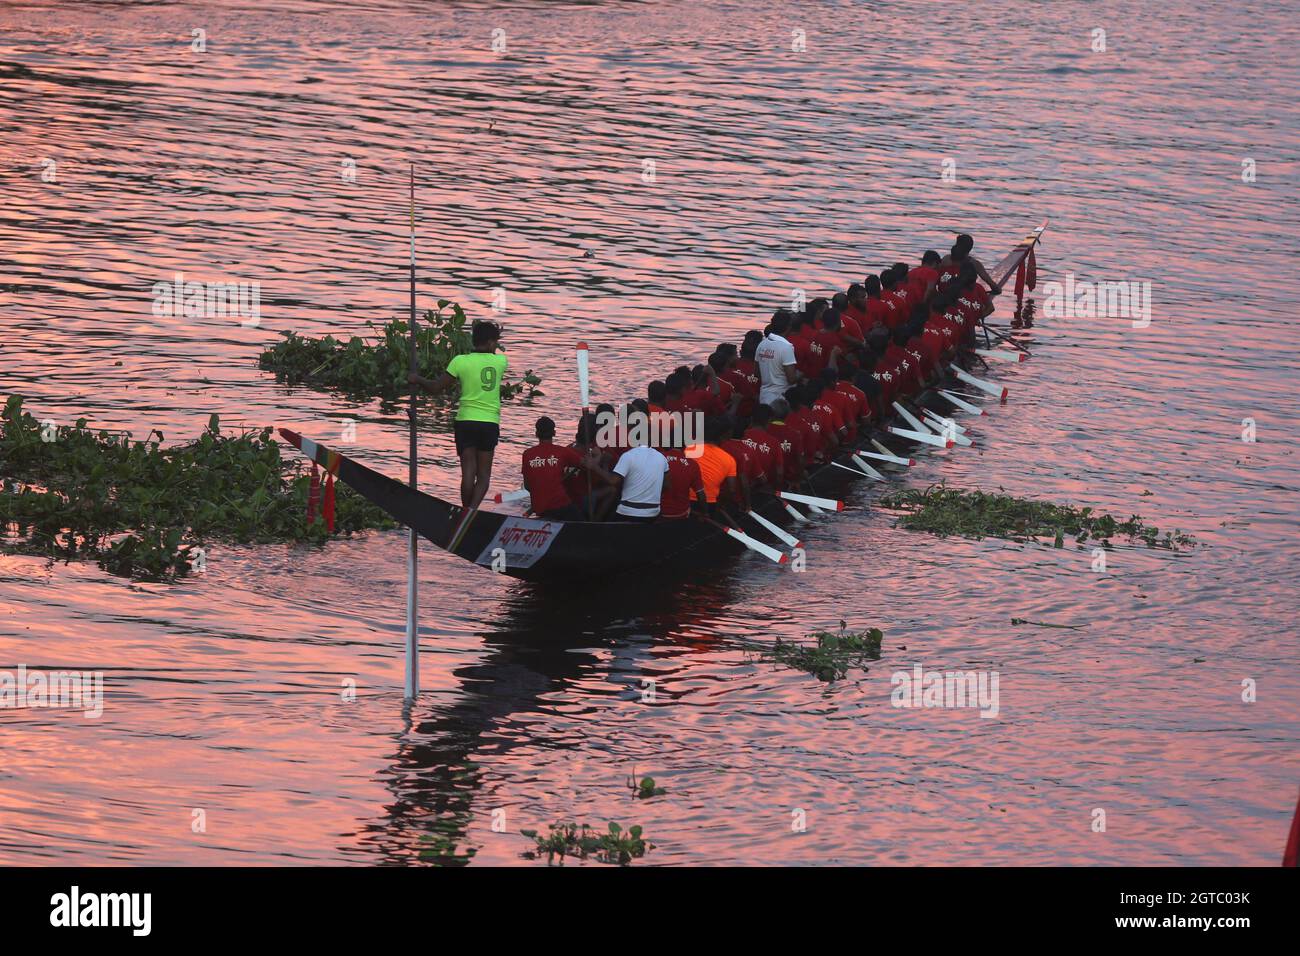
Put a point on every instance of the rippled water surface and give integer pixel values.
(774, 169)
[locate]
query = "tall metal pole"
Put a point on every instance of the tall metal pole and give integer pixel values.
(412, 604)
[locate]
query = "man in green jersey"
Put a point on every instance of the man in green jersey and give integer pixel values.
(478, 418)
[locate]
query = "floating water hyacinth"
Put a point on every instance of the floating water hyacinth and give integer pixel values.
(945, 511)
(378, 368)
(139, 508)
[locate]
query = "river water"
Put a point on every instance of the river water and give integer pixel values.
(653, 179)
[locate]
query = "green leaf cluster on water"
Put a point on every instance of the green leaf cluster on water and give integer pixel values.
(646, 788)
(977, 514)
(378, 368)
(139, 508)
(615, 845)
(832, 653)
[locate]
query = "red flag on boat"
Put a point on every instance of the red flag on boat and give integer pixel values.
(313, 495)
(1031, 276)
(1292, 855)
(1020, 279)
(327, 510)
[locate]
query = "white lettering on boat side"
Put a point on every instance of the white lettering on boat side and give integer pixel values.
(523, 540)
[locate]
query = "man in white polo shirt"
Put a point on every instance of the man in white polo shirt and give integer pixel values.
(777, 368)
(639, 477)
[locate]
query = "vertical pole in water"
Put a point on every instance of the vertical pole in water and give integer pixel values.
(412, 628)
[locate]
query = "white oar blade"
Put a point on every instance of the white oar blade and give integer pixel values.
(826, 504)
(888, 458)
(1000, 356)
(911, 419)
(777, 531)
(768, 552)
(886, 453)
(961, 403)
(867, 469)
(949, 429)
(938, 423)
(925, 439)
(997, 391)
(582, 374)
(794, 512)
(509, 497)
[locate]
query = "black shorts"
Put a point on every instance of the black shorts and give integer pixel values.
(480, 435)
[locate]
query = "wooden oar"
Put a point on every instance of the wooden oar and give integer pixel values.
(1001, 356)
(867, 469)
(510, 497)
(938, 441)
(961, 403)
(911, 419)
(997, 391)
(946, 426)
(777, 531)
(825, 504)
(887, 457)
(753, 544)
(794, 512)
(584, 394)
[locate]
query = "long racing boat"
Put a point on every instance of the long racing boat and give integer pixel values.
(539, 550)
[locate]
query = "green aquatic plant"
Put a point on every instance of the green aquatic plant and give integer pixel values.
(442, 846)
(946, 511)
(615, 845)
(830, 655)
(644, 789)
(378, 368)
(139, 508)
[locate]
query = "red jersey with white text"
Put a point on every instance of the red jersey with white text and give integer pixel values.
(543, 468)
(679, 490)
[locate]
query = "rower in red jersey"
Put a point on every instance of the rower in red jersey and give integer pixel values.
(915, 328)
(845, 413)
(901, 292)
(675, 387)
(933, 345)
(543, 469)
(826, 347)
(900, 364)
(874, 307)
(855, 306)
(748, 469)
(813, 314)
(859, 407)
(973, 298)
(743, 372)
(923, 278)
(685, 483)
(828, 415)
(896, 311)
(903, 285)
(766, 447)
(815, 441)
(730, 382)
(704, 394)
(851, 335)
(789, 438)
(801, 340)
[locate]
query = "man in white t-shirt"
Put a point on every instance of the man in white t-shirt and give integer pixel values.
(777, 368)
(639, 478)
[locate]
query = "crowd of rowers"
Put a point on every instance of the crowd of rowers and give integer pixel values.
(787, 400)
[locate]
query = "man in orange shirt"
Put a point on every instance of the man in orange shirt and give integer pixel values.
(717, 467)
